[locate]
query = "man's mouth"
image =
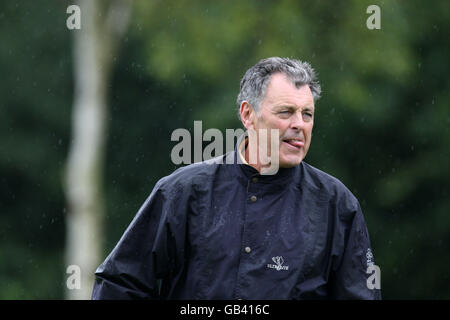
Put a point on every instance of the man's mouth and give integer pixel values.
(294, 143)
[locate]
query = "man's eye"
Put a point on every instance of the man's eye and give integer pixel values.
(307, 116)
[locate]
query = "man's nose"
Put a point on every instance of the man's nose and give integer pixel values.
(297, 122)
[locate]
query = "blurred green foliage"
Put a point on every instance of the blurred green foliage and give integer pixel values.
(381, 126)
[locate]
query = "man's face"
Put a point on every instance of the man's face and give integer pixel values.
(290, 110)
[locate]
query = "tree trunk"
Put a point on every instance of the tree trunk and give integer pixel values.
(94, 47)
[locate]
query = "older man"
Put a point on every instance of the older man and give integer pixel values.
(215, 230)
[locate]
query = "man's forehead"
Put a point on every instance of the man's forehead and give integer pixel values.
(281, 90)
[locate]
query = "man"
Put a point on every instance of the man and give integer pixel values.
(215, 230)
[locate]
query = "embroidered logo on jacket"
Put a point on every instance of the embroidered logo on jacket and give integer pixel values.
(369, 256)
(279, 264)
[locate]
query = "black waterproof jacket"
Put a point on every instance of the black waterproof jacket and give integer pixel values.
(223, 231)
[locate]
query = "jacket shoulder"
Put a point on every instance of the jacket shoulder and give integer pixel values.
(327, 186)
(191, 174)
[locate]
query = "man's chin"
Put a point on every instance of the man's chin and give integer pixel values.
(289, 163)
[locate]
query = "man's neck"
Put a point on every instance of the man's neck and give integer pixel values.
(244, 153)
(257, 166)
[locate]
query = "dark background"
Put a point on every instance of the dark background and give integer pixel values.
(381, 126)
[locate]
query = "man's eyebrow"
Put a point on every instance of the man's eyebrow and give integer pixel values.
(287, 106)
(307, 108)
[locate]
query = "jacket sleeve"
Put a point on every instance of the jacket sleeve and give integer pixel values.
(354, 272)
(147, 255)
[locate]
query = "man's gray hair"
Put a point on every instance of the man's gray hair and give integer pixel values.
(256, 79)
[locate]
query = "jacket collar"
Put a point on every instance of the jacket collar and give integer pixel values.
(283, 177)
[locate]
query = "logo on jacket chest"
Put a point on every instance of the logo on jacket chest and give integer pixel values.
(278, 264)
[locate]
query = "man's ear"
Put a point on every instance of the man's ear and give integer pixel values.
(247, 115)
